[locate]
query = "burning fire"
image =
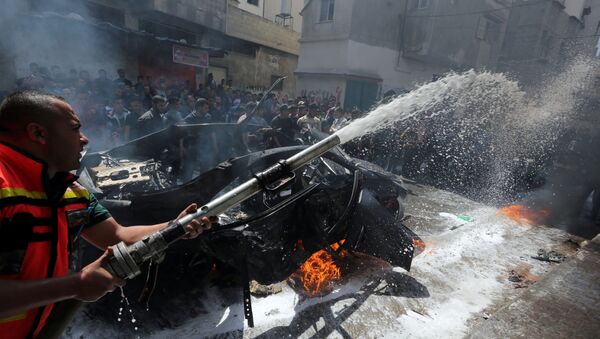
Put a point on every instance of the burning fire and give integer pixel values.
(525, 215)
(419, 244)
(320, 271)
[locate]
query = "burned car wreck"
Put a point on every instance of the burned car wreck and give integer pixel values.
(267, 237)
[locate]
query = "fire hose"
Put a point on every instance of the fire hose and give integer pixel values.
(126, 260)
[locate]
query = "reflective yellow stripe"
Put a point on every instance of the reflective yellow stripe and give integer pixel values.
(76, 193)
(21, 192)
(14, 318)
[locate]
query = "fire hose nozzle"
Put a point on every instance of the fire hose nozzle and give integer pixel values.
(125, 261)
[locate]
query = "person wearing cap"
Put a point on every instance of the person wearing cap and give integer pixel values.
(310, 120)
(302, 109)
(294, 111)
(153, 120)
(286, 128)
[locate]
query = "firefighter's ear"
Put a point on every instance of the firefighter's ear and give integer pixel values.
(37, 133)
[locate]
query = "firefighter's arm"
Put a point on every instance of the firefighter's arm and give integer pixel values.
(109, 232)
(19, 296)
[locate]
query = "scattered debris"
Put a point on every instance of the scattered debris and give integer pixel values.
(550, 256)
(521, 277)
(456, 221)
(263, 290)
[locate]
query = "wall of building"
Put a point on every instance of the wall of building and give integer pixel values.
(339, 28)
(321, 86)
(329, 56)
(575, 7)
(208, 13)
(249, 27)
(395, 72)
(258, 70)
(293, 7)
(257, 9)
(441, 34)
(538, 38)
(377, 23)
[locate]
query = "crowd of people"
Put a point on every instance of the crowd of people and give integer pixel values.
(117, 110)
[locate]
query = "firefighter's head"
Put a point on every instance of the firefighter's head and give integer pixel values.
(45, 126)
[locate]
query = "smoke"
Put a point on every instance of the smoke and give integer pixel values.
(482, 134)
(54, 33)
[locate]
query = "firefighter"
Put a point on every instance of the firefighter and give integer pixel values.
(44, 211)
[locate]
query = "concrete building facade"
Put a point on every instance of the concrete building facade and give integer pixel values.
(541, 35)
(359, 50)
(244, 49)
(283, 12)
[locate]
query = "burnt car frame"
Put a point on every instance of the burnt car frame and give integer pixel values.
(333, 198)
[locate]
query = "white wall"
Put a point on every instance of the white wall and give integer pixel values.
(320, 86)
(338, 57)
(574, 7)
(268, 9)
(405, 74)
(330, 56)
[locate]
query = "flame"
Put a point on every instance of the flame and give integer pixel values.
(320, 271)
(419, 244)
(525, 215)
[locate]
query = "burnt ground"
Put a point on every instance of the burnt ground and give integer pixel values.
(476, 264)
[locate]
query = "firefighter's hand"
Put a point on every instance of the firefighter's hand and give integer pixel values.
(94, 281)
(196, 227)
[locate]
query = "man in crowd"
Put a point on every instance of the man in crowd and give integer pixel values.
(188, 105)
(286, 128)
(119, 122)
(122, 80)
(198, 151)
(309, 121)
(217, 111)
(173, 115)
(200, 113)
(339, 120)
(102, 84)
(153, 120)
(44, 211)
(137, 110)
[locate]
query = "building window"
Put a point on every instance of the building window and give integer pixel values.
(253, 2)
(327, 7)
(482, 28)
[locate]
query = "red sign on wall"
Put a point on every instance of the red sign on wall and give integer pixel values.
(190, 56)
